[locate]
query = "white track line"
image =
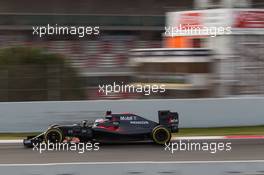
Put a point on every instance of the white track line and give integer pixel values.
(11, 141)
(173, 138)
(138, 162)
(198, 138)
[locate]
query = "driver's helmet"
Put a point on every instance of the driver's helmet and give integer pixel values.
(99, 122)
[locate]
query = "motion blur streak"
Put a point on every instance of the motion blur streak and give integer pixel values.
(181, 168)
(242, 150)
(131, 47)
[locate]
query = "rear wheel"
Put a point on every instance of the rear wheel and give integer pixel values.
(53, 135)
(161, 135)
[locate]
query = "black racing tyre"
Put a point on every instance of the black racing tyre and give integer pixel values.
(53, 135)
(161, 135)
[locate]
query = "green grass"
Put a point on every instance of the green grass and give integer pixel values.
(220, 131)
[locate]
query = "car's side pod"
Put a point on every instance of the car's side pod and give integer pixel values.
(169, 120)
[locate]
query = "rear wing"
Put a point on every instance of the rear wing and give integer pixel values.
(169, 119)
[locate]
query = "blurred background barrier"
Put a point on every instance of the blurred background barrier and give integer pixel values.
(133, 46)
(36, 116)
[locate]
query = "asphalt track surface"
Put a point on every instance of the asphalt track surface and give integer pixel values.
(242, 149)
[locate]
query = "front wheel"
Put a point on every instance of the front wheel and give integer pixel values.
(161, 135)
(53, 135)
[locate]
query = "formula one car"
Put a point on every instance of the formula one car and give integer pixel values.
(112, 128)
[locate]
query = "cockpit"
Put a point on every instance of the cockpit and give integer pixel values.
(107, 121)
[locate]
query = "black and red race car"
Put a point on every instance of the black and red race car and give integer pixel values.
(113, 128)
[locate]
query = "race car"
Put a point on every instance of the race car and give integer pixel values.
(123, 127)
